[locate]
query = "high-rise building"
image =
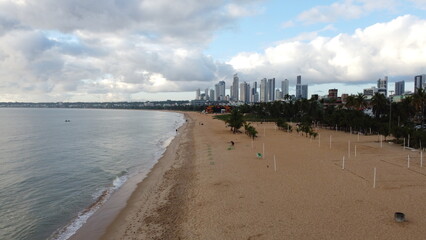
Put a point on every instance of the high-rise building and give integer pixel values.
(399, 88)
(198, 94)
(299, 94)
(254, 93)
(220, 91)
(206, 94)
(264, 90)
(278, 94)
(304, 91)
(419, 82)
(271, 90)
(211, 95)
(245, 92)
(382, 86)
(332, 93)
(284, 87)
(234, 92)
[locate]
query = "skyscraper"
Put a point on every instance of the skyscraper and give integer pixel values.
(206, 94)
(234, 93)
(304, 91)
(271, 90)
(245, 92)
(264, 90)
(284, 87)
(382, 86)
(299, 87)
(399, 88)
(211, 95)
(220, 91)
(198, 94)
(419, 82)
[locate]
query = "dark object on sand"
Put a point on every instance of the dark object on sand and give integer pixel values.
(399, 217)
(232, 143)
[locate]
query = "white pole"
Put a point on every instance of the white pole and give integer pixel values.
(408, 140)
(408, 161)
(330, 141)
(263, 155)
(421, 159)
(343, 162)
(336, 127)
(374, 178)
(355, 150)
(349, 149)
(275, 164)
(381, 141)
(404, 145)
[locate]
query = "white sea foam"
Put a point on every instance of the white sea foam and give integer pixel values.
(100, 197)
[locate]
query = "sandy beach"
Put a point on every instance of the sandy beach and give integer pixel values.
(204, 189)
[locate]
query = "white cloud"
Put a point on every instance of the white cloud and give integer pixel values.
(50, 49)
(395, 48)
(346, 9)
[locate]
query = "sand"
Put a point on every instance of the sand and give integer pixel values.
(205, 189)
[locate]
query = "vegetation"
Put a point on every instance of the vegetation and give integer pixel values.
(401, 119)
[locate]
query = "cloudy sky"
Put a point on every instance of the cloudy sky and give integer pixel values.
(137, 50)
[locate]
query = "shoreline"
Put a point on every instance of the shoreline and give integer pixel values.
(99, 223)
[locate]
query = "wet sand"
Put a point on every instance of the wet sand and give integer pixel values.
(209, 190)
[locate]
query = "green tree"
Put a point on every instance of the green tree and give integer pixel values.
(379, 103)
(235, 120)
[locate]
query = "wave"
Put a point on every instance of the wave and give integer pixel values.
(100, 198)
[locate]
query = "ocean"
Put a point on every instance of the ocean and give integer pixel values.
(57, 166)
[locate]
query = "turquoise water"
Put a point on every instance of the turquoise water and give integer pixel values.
(54, 174)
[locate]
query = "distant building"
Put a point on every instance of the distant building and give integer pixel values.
(344, 97)
(332, 93)
(264, 90)
(245, 92)
(284, 87)
(271, 90)
(419, 82)
(198, 94)
(305, 91)
(382, 86)
(211, 95)
(301, 90)
(206, 94)
(370, 91)
(220, 91)
(234, 92)
(254, 96)
(278, 94)
(399, 88)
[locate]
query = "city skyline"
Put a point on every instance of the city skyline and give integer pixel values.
(154, 50)
(267, 90)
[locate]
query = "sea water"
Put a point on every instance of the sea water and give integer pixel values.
(57, 166)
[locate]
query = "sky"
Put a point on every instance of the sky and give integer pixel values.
(149, 50)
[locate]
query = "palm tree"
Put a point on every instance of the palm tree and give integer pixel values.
(351, 102)
(235, 120)
(360, 101)
(379, 103)
(419, 100)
